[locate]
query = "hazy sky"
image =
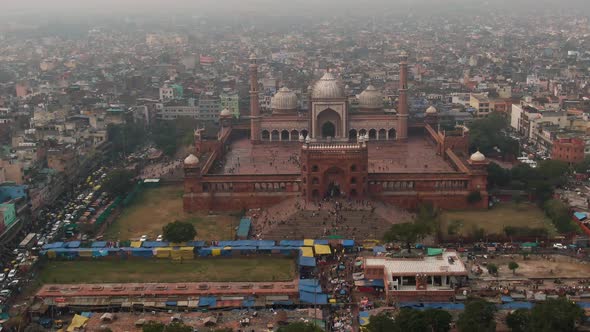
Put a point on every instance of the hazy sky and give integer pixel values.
(271, 6)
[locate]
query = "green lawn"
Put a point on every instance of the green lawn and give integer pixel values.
(164, 270)
(495, 219)
(156, 207)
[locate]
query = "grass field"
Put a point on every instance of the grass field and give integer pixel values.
(156, 207)
(164, 270)
(494, 220)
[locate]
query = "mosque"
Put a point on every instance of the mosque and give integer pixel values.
(366, 153)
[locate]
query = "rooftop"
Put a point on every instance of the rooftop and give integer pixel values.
(430, 265)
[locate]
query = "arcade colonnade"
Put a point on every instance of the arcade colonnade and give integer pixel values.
(274, 135)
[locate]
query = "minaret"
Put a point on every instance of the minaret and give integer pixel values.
(254, 106)
(402, 107)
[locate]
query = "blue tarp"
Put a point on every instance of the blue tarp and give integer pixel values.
(154, 244)
(171, 303)
(378, 283)
(580, 215)
(516, 305)
(141, 252)
(313, 298)
(286, 302)
(98, 244)
(249, 302)
(244, 228)
(433, 305)
(291, 243)
(246, 243)
(53, 245)
(86, 314)
(323, 241)
(348, 243)
(310, 289)
(72, 244)
(506, 299)
(309, 282)
(198, 244)
(307, 261)
(378, 249)
(207, 301)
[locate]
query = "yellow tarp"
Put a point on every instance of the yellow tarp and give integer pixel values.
(307, 251)
(84, 253)
(51, 254)
(180, 244)
(163, 252)
(135, 244)
(186, 248)
(332, 300)
(215, 252)
(308, 242)
(322, 249)
(77, 323)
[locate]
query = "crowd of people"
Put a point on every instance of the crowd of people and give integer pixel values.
(160, 169)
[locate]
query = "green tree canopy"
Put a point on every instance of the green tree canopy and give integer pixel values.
(478, 316)
(519, 320)
(559, 214)
(488, 133)
(125, 138)
(555, 315)
(178, 327)
(179, 231)
(382, 323)
(498, 176)
(434, 320)
(300, 327)
(118, 182)
(513, 266)
(153, 326)
(492, 269)
(170, 135)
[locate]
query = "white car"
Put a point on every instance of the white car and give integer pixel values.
(558, 246)
(143, 238)
(2, 276)
(160, 238)
(11, 274)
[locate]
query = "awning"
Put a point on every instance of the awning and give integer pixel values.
(308, 242)
(322, 249)
(307, 261)
(307, 251)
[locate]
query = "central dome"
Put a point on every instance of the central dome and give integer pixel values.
(371, 98)
(284, 100)
(327, 87)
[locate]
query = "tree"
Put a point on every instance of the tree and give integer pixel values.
(382, 323)
(407, 233)
(555, 315)
(478, 316)
(300, 327)
(492, 269)
(474, 197)
(179, 231)
(559, 214)
(497, 176)
(125, 138)
(153, 326)
(118, 182)
(487, 134)
(519, 320)
(410, 320)
(438, 320)
(513, 266)
(178, 327)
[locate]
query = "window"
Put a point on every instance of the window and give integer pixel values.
(314, 168)
(353, 168)
(315, 181)
(353, 180)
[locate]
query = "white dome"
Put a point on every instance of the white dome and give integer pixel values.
(477, 156)
(328, 87)
(191, 160)
(225, 113)
(284, 99)
(371, 98)
(431, 110)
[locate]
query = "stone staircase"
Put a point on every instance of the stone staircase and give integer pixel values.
(293, 219)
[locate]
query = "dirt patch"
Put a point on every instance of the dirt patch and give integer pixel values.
(539, 266)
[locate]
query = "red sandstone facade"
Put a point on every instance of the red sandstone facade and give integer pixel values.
(570, 150)
(362, 154)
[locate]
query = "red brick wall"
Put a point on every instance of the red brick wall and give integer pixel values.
(568, 150)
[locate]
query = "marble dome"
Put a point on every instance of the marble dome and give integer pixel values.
(327, 87)
(370, 98)
(284, 99)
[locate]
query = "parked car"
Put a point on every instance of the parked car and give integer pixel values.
(12, 273)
